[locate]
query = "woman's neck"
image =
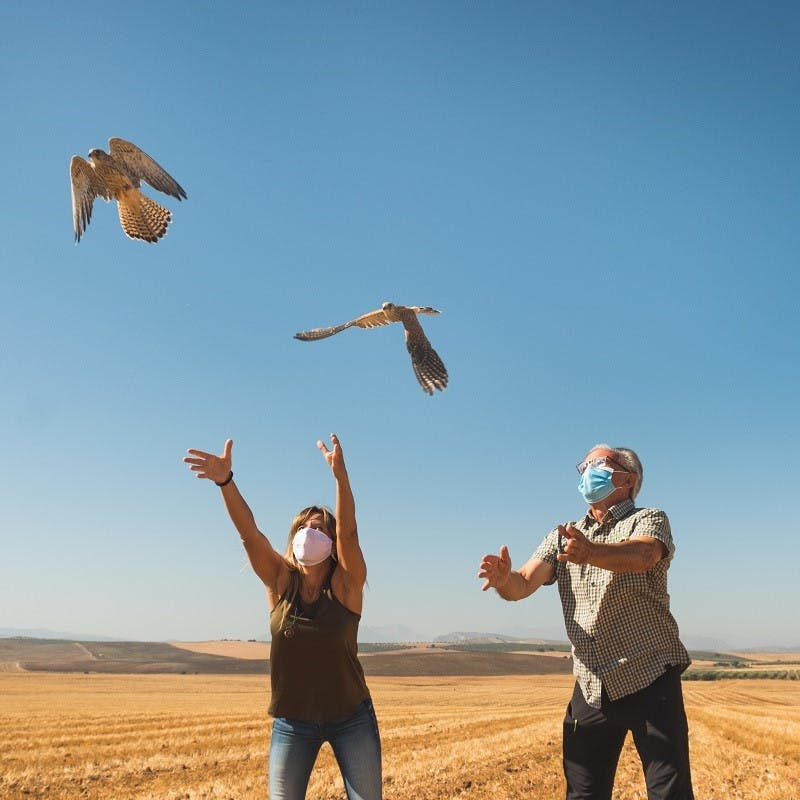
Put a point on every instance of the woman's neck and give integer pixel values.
(312, 580)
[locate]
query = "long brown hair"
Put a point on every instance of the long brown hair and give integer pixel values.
(300, 520)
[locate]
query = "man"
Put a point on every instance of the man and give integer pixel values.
(611, 569)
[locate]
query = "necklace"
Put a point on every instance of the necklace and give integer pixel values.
(288, 631)
(298, 607)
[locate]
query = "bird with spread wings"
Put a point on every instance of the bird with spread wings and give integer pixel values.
(428, 367)
(117, 175)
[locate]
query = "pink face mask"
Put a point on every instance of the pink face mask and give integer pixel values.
(311, 546)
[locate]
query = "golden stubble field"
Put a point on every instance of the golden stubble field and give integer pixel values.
(120, 737)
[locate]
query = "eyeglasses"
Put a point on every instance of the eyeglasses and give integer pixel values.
(600, 461)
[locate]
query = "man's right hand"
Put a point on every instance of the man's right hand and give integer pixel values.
(495, 569)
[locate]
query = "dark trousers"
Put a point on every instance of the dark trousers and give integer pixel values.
(593, 740)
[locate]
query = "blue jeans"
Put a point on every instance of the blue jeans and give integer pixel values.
(355, 742)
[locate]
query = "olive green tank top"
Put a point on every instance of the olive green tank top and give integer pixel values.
(313, 659)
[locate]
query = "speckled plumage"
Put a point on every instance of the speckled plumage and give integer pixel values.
(117, 175)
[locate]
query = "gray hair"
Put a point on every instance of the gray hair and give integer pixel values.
(628, 459)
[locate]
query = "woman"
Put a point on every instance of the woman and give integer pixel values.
(315, 594)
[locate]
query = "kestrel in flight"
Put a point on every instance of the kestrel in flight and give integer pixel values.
(428, 367)
(117, 176)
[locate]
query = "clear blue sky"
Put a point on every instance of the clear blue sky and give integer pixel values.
(602, 200)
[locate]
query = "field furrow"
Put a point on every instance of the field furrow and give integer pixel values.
(172, 737)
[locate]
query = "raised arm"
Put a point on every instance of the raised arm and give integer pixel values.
(350, 559)
(267, 563)
(513, 584)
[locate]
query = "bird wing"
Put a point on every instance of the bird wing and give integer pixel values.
(85, 187)
(423, 310)
(371, 320)
(428, 367)
(140, 167)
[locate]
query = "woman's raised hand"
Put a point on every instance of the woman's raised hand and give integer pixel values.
(335, 457)
(207, 465)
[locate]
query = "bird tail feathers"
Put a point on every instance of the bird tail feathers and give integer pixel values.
(141, 217)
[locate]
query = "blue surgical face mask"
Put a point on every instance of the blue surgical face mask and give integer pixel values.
(595, 484)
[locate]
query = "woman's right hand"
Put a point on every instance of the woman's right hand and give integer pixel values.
(207, 465)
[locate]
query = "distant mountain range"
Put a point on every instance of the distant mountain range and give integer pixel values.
(46, 633)
(405, 634)
(370, 634)
(476, 637)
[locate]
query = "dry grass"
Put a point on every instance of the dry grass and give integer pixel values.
(232, 648)
(120, 737)
(771, 658)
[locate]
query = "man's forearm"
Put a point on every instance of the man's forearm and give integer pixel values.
(515, 588)
(630, 556)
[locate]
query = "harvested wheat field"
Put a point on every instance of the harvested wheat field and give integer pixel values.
(119, 737)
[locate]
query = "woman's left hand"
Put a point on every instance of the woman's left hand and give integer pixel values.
(335, 457)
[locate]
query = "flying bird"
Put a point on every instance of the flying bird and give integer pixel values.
(428, 367)
(117, 176)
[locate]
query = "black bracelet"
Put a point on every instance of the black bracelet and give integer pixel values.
(226, 481)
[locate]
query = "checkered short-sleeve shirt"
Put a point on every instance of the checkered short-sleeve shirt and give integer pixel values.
(622, 632)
